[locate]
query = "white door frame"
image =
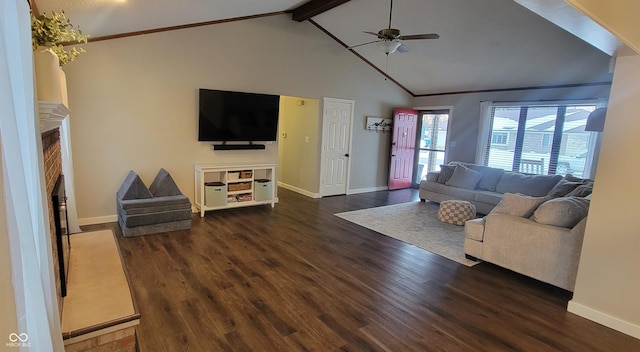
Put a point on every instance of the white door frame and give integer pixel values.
(326, 100)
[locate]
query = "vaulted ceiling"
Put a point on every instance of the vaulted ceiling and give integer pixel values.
(483, 44)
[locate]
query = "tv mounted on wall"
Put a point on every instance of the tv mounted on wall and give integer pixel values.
(226, 116)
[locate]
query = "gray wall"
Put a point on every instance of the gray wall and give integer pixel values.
(134, 101)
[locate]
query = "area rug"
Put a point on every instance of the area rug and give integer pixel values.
(415, 223)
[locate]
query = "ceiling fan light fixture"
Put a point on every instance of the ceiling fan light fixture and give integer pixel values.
(389, 46)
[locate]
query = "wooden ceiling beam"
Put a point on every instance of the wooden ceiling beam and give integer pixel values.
(34, 7)
(313, 8)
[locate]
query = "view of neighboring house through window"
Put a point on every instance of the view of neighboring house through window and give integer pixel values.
(500, 138)
(541, 139)
(432, 141)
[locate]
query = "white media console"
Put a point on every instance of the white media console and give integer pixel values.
(235, 185)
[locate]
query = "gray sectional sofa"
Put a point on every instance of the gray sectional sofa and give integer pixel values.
(482, 186)
(534, 236)
(159, 208)
(535, 223)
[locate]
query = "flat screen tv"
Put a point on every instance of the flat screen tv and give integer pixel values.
(226, 116)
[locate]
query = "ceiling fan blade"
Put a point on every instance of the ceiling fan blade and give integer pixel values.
(372, 33)
(420, 36)
(402, 48)
(355, 46)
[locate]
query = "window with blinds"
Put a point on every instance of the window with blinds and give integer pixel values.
(541, 139)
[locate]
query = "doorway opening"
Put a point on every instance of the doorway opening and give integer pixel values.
(299, 145)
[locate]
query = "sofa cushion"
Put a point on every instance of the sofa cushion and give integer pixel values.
(155, 209)
(133, 188)
(518, 205)
(156, 218)
(464, 177)
(490, 176)
(562, 188)
(154, 202)
(488, 197)
(453, 192)
(445, 173)
(562, 212)
(154, 228)
(163, 185)
(531, 185)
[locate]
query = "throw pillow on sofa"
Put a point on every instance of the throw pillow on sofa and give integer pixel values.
(463, 177)
(562, 212)
(432, 176)
(518, 205)
(562, 188)
(571, 178)
(446, 171)
(582, 190)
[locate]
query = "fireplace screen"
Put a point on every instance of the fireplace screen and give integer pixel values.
(59, 199)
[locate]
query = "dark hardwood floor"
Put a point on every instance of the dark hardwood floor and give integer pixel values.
(298, 278)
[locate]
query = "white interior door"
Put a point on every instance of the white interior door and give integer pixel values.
(336, 142)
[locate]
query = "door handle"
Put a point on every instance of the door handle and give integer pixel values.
(347, 155)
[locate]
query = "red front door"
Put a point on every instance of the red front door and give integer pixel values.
(403, 148)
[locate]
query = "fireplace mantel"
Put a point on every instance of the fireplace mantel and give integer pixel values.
(51, 115)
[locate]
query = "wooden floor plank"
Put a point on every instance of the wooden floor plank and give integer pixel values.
(297, 278)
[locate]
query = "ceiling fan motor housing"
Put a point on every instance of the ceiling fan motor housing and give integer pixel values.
(389, 33)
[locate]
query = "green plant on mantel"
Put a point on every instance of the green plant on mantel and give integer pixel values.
(52, 31)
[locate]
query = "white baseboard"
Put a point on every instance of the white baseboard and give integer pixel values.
(97, 220)
(114, 218)
(604, 319)
(299, 190)
(317, 195)
(367, 190)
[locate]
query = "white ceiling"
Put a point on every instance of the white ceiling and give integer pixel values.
(107, 17)
(483, 45)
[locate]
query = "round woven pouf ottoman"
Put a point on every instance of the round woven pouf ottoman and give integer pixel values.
(456, 212)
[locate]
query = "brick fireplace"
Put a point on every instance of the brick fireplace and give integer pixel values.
(110, 335)
(52, 158)
(111, 327)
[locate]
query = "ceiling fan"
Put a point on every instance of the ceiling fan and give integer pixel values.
(390, 39)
